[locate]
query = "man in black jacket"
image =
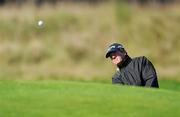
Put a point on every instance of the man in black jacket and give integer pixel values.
(137, 71)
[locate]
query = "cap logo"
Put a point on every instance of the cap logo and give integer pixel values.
(115, 47)
(112, 47)
(119, 46)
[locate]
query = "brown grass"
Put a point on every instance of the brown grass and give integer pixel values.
(73, 42)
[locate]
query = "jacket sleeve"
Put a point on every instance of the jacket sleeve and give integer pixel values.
(149, 74)
(116, 79)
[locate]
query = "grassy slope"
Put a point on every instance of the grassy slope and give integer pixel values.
(77, 99)
(170, 84)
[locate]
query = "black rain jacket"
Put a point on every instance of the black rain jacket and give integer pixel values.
(138, 71)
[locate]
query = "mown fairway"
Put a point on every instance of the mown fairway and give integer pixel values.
(81, 99)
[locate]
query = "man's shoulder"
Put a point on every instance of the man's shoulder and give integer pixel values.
(139, 61)
(142, 61)
(139, 58)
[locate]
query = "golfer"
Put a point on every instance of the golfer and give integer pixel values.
(137, 71)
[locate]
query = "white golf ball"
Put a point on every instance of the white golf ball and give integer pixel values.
(40, 23)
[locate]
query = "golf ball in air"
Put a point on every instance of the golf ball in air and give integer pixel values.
(40, 23)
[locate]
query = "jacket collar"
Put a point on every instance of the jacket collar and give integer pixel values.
(125, 62)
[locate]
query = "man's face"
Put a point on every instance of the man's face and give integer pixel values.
(117, 57)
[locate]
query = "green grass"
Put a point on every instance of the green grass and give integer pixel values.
(170, 84)
(78, 99)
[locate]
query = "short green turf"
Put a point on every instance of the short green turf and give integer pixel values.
(80, 99)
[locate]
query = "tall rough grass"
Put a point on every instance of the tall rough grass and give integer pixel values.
(73, 40)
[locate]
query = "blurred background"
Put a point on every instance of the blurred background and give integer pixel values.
(72, 43)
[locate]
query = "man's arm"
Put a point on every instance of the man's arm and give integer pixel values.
(116, 79)
(149, 74)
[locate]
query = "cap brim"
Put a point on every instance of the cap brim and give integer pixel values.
(109, 52)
